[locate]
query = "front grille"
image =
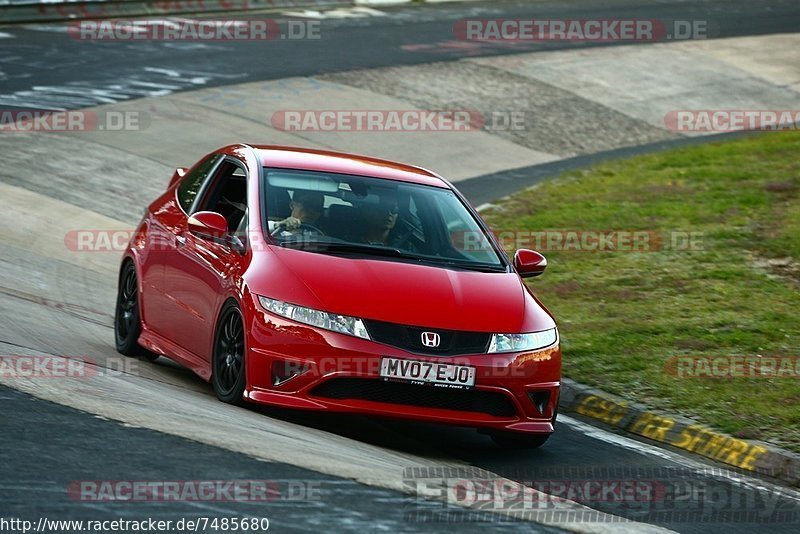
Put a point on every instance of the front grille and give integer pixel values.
(453, 343)
(470, 400)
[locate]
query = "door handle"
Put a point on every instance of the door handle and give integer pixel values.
(180, 240)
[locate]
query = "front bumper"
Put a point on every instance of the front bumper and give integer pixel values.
(320, 370)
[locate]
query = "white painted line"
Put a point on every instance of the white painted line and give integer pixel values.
(340, 13)
(4, 35)
(381, 2)
(305, 14)
(711, 470)
(484, 206)
(616, 439)
(54, 28)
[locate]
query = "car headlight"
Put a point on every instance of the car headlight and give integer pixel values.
(343, 324)
(520, 342)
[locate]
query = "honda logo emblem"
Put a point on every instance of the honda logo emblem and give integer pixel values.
(431, 339)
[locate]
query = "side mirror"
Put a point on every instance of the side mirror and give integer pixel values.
(208, 224)
(177, 176)
(529, 263)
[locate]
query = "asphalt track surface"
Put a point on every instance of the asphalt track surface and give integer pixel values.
(45, 58)
(47, 446)
(50, 449)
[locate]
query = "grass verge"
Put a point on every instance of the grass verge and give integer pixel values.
(731, 290)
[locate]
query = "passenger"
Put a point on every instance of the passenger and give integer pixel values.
(379, 221)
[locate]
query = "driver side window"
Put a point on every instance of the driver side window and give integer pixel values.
(192, 182)
(227, 195)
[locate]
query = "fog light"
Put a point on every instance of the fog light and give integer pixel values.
(283, 371)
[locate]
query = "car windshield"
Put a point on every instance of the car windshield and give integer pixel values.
(361, 216)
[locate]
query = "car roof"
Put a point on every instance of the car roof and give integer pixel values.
(285, 157)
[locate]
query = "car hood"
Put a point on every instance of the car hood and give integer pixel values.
(404, 293)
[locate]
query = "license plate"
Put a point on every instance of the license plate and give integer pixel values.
(437, 374)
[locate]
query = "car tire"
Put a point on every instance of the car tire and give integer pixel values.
(228, 358)
(127, 322)
(518, 440)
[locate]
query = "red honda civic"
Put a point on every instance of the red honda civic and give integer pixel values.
(333, 282)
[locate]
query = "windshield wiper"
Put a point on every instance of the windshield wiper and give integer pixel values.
(481, 267)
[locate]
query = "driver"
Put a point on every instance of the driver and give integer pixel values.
(306, 209)
(379, 221)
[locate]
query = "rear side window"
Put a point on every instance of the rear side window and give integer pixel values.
(193, 181)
